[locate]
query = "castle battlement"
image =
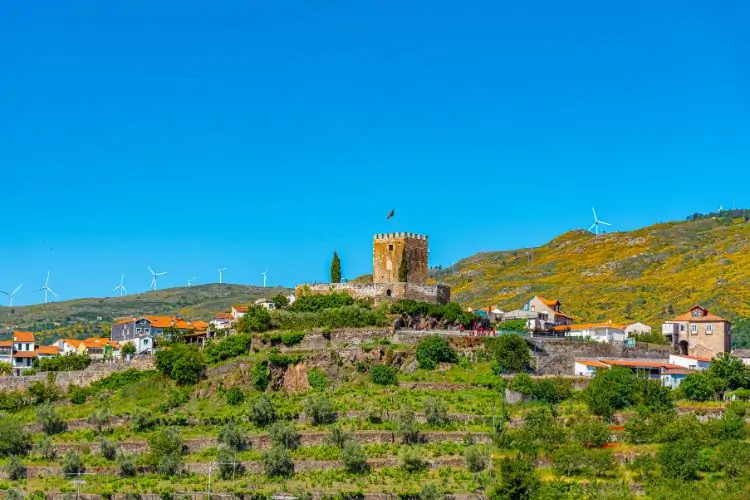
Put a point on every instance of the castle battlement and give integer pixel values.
(389, 236)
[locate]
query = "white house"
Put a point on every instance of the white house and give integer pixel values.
(24, 350)
(742, 354)
(238, 312)
(600, 332)
(673, 377)
(690, 362)
(587, 368)
(222, 321)
(637, 328)
(6, 351)
(67, 346)
(266, 304)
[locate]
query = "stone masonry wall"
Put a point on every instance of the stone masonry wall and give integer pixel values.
(381, 292)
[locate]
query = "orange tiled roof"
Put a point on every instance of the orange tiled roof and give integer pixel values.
(223, 316)
(640, 364)
(696, 358)
(48, 349)
(200, 324)
(584, 326)
(708, 318)
(25, 354)
(72, 342)
(125, 320)
(597, 364)
(558, 313)
(242, 309)
(548, 303)
(6, 343)
(21, 336)
(160, 321)
(678, 371)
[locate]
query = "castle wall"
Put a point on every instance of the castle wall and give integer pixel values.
(389, 249)
(380, 292)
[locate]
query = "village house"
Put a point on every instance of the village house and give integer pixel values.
(238, 312)
(668, 373)
(635, 328)
(140, 331)
(24, 350)
(699, 333)
(222, 321)
(690, 362)
(99, 348)
(67, 346)
(599, 332)
(266, 304)
(552, 308)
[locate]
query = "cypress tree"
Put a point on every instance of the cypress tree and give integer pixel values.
(403, 270)
(335, 269)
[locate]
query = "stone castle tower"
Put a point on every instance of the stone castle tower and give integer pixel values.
(389, 249)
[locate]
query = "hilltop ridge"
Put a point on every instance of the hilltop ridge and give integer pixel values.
(649, 274)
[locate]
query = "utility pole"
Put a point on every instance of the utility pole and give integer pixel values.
(208, 492)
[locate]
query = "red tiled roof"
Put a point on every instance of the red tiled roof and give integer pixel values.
(688, 316)
(21, 336)
(639, 364)
(123, 321)
(223, 316)
(6, 343)
(160, 321)
(25, 354)
(242, 309)
(597, 364)
(48, 349)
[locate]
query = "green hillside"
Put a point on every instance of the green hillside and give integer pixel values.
(648, 274)
(190, 302)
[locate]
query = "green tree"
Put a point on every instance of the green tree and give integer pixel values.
(698, 387)
(6, 369)
(72, 464)
(233, 437)
(280, 301)
(383, 375)
(403, 269)
(261, 411)
(354, 457)
(165, 451)
(99, 419)
(679, 460)
(592, 433)
(182, 363)
(107, 449)
(50, 420)
(126, 465)
(339, 437)
(260, 375)
(14, 438)
(732, 457)
(319, 409)
(510, 352)
(408, 428)
(335, 269)
(128, 349)
(411, 459)
(229, 465)
(611, 390)
(731, 370)
(45, 449)
(284, 435)
(433, 350)
(277, 462)
(234, 396)
(477, 458)
(256, 320)
(518, 480)
(435, 412)
(15, 468)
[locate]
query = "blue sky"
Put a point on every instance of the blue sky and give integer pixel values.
(254, 135)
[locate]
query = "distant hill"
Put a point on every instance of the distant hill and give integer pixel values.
(649, 274)
(191, 302)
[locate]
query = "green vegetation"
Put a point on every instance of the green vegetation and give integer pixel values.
(68, 362)
(383, 375)
(403, 269)
(510, 352)
(433, 350)
(185, 364)
(335, 269)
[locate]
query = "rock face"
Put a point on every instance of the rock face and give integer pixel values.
(295, 378)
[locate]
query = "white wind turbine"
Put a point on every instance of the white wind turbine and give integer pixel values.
(190, 281)
(121, 286)
(595, 225)
(153, 277)
(265, 277)
(221, 274)
(11, 294)
(46, 289)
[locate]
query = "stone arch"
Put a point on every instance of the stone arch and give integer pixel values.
(683, 346)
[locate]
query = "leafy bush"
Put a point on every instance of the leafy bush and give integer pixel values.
(127, 349)
(292, 338)
(14, 438)
(261, 375)
(45, 392)
(15, 468)
(229, 466)
(142, 419)
(45, 449)
(233, 437)
(165, 451)
(698, 387)
(733, 457)
(433, 350)
(182, 363)
(518, 480)
(510, 352)
(592, 433)
(77, 395)
(228, 347)
(339, 437)
(435, 412)
(126, 465)
(574, 459)
(284, 435)
(540, 431)
(284, 360)
(408, 428)
(261, 411)
(411, 459)
(354, 458)
(107, 449)
(51, 421)
(679, 460)
(257, 319)
(280, 301)
(477, 458)
(72, 464)
(611, 390)
(234, 396)
(383, 375)
(317, 379)
(319, 409)
(99, 419)
(68, 362)
(353, 316)
(317, 303)
(277, 462)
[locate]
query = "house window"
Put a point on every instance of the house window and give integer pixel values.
(682, 328)
(390, 248)
(709, 329)
(145, 341)
(138, 330)
(697, 312)
(693, 329)
(533, 308)
(28, 347)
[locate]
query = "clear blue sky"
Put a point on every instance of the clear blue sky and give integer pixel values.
(193, 135)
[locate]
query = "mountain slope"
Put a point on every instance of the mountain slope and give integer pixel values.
(195, 301)
(645, 275)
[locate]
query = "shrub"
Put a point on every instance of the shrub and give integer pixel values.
(733, 457)
(698, 387)
(477, 458)
(165, 451)
(234, 396)
(339, 437)
(292, 338)
(411, 459)
(284, 435)
(107, 449)
(68, 362)
(592, 433)
(317, 303)
(262, 412)
(233, 437)
(142, 419)
(278, 462)
(128, 349)
(518, 480)
(261, 375)
(99, 419)
(319, 409)
(280, 301)
(228, 347)
(435, 412)
(14, 438)
(355, 460)
(679, 460)
(229, 466)
(72, 464)
(77, 395)
(611, 390)
(433, 350)
(510, 352)
(257, 319)
(49, 418)
(408, 429)
(126, 465)
(317, 379)
(383, 375)
(46, 449)
(374, 415)
(540, 430)
(182, 363)
(575, 459)
(15, 468)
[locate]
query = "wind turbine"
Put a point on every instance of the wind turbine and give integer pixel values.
(721, 208)
(121, 286)
(12, 294)
(265, 276)
(153, 277)
(46, 289)
(190, 281)
(595, 225)
(221, 274)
